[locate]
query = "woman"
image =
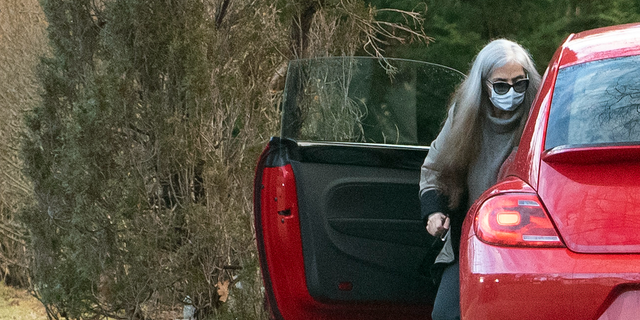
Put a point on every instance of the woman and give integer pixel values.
(484, 124)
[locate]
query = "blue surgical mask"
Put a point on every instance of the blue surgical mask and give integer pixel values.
(508, 101)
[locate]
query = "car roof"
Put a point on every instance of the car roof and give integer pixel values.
(603, 43)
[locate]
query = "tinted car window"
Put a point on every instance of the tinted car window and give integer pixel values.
(356, 99)
(596, 103)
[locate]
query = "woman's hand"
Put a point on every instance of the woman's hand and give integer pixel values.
(438, 224)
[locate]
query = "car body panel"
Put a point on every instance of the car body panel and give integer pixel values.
(595, 207)
(603, 43)
(551, 283)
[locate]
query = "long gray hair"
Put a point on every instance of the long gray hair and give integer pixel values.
(469, 101)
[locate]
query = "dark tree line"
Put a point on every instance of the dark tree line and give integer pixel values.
(461, 27)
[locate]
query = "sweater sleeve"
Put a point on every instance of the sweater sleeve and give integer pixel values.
(431, 199)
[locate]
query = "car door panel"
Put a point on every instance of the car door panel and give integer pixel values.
(336, 206)
(361, 225)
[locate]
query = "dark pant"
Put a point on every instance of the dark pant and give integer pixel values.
(447, 304)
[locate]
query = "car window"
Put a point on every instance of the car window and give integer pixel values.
(357, 99)
(596, 103)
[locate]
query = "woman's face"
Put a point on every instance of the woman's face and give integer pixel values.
(504, 96)
(509, 73)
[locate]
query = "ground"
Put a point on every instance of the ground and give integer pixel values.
(18, 304)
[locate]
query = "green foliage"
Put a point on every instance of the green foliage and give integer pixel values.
(142, 150)
(142, 185)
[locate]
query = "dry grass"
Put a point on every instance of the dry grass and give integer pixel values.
(22, 41)
(18, 304)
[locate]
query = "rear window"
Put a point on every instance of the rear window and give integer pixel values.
(356, 99)
(596, 103)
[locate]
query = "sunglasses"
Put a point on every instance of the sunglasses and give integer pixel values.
(501, 87)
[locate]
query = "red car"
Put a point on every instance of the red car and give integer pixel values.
(559, 236)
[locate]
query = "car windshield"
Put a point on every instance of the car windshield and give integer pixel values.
(359, 100)
(596, 103)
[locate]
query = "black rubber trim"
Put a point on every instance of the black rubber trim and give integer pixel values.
(281, 152)
(360, 156)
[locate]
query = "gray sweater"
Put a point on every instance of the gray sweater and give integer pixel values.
(497, 143)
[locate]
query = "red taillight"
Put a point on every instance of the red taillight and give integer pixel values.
(508, 218)
(515, 219)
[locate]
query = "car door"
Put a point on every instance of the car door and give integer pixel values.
(336, 205)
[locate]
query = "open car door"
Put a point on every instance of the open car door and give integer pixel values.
(337, 212)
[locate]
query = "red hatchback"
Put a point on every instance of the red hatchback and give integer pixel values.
(559, 236)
